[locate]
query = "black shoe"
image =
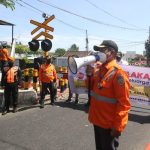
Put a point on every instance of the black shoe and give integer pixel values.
(87, 104)
(52, 103)
(76, 102)
(42, 106)
(4, 112)
(68, 100)
(41, 102)
(7, 110)
(15, 109)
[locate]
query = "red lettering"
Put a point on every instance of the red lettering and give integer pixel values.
(133, 75)
(146, 76)
(139, 75)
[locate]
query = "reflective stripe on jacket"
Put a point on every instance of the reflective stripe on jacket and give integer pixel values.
(11, 75)
(110, 103)
(47, 73)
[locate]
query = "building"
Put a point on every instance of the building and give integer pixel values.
(129, 55)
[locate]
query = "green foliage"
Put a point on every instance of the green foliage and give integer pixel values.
(21, 49)
(8, 3)
(60, 52)
(147, 47)
(73, 47)
(26, 60)
(37, 52)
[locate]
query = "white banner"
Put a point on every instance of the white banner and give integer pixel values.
(140, 84)
(139, 80)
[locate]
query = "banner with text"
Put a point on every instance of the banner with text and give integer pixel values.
(139, 80)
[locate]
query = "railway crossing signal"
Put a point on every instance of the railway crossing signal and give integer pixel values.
(46, 44)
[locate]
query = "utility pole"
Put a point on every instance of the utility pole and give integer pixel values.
(149, 32)
(87, 42)
(147, 47)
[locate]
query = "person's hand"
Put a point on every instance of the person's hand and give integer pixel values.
(89, 70)
(115, 133)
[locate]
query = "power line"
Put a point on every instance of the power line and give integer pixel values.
(90, 19)
(25, 7)
(108, 13)
(77, 28)
(63, 21)
(132, 45)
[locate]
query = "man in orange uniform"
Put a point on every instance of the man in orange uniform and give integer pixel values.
(11, 77)
(4, 54)
(47, 76)
(110, 104)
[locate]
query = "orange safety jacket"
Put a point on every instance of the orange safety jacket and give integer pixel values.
(11, 74)
(110, 103)
(4, 54)
(47, 73)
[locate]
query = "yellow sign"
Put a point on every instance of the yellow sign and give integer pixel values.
(44, 26)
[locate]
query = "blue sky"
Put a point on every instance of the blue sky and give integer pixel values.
(130, 18)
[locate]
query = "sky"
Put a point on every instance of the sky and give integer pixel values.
(125, 22)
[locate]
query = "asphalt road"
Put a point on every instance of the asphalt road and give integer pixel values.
(66, 127)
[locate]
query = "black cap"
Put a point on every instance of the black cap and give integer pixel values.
(106, 43)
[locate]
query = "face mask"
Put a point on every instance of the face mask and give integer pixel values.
(102, 57)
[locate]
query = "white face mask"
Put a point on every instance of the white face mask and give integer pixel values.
(102, 57)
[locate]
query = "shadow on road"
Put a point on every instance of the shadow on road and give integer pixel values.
(80, 106)
(139, 118)
(27, 107)
(17, 146)
(140, 107)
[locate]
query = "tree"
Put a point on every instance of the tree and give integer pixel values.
(8, 3)
(22, 49)
(73, 48)
(147, 47)
(60, 52)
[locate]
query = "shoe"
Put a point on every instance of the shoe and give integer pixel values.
(15, 109)
(41, 102)
(42, 106)
(76, 102)
(4, 112)
(52, 103)
(68, 100)
(87, 104)
(8, 111)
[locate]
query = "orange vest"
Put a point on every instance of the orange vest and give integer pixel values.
(11, 75)
(109, 97)
(4, 54)
(47, 73)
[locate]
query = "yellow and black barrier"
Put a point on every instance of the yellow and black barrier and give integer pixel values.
(61, 84)
(26, 78)
(35, 79)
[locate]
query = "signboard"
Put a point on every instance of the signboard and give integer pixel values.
(43, 25)
(139, 78)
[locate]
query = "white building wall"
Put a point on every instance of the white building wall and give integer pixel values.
(129, 55)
